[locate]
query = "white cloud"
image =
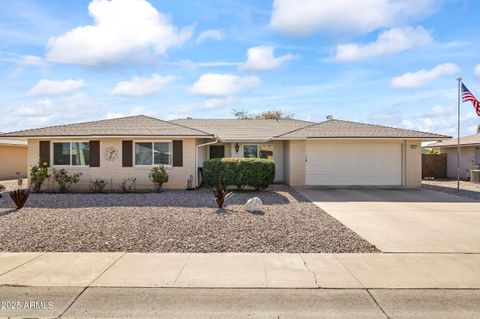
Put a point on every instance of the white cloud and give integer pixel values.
(142, 86)
(212, 34)
(422, 77)
(52, 87)
(388, 42)
(223, 85)
(51, 111)
(114, 115)
(32, 60)
(437, 119)
(214, 103)
(477, 70)
(121, 29)
(307, 16)
(437, 111)
(262, 58)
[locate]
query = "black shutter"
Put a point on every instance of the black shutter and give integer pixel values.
(45, 152)
(178, 153)
(127, 153)
(94, 153)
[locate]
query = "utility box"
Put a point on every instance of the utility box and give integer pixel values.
(475, 176)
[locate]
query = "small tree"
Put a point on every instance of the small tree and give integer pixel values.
(64, 180)
(267, 115)
(158, 176)
(242, 115)
(274, 115)
(38, 175)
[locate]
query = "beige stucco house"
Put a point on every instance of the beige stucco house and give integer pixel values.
(13, 159)
(330, 153)
(469, 154)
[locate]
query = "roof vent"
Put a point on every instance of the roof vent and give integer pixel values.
(329, 117)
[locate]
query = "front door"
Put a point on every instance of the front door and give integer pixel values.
(217, 151)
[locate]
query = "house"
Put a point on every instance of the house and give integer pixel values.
(13, 158)
(469, 154)
(332, 152)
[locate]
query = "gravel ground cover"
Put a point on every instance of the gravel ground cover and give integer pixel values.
(173, 221)
(467, 189)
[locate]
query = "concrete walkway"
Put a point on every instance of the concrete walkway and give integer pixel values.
(395, 220)
(240, 270)
(116, 285)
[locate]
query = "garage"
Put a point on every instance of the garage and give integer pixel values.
(353, 163)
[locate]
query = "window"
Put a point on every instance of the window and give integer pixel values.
(266, 151)
(250, 151)
(71, 154)
(258, 151)
(153, 153)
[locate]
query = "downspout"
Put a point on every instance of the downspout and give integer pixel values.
(196, 158)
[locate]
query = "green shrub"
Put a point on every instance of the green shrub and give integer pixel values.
(254, 172)
(158, 176)
(38, 175)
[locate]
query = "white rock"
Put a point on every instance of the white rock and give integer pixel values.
(254, 205)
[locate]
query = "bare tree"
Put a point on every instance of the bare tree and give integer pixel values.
(269, 115)
(242, 115)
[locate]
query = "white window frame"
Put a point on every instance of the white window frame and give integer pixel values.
(52, 153)
(170, 149)
(258, 149)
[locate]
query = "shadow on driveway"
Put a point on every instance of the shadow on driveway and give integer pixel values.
(375, 194)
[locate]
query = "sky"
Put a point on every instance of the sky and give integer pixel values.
(388, 62)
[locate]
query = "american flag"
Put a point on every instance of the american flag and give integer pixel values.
(468, 96)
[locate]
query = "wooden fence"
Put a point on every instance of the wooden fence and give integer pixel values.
(434, 165)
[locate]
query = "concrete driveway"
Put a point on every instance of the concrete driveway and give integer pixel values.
(395, 220)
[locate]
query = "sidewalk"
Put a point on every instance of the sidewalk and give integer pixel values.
(118, 285)
(241, 270)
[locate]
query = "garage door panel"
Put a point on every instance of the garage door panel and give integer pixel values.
(353, 164)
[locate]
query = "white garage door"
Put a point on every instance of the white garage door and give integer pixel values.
(353, 163)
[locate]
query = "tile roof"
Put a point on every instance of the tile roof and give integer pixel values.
(464, 140)
(244, 130)
(224, 129)
(126, 126)
(345, 129)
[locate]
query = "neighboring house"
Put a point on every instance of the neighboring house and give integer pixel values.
(469, 154)
(333, 152)
(13, 159)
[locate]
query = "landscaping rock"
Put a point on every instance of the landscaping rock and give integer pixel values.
(173, 221)
(254, 205)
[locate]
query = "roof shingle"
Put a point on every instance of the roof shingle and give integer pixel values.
(126, 126)
(345, 129)
(244, 130)
(464, 140)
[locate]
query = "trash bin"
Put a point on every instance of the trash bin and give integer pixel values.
(475, 175)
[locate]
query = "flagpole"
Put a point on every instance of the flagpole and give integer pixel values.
(459, 79)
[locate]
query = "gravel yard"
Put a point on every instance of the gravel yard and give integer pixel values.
(173, 221)
(467, 189)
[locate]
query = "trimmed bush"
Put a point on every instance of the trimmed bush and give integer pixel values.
(255, 172)
(158, 176)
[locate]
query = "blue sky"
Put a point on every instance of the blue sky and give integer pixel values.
(388, 62)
